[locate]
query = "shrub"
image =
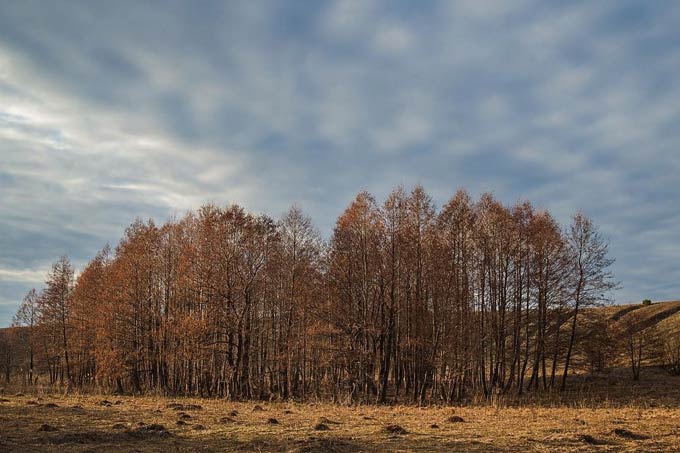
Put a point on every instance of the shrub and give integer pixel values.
(646, 302)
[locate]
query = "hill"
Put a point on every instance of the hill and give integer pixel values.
(664, 315)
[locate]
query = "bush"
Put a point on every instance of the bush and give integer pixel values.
(646, 302)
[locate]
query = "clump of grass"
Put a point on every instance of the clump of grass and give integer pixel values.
(621, 432)
(455, 419)
(588, 439)
(395, 429)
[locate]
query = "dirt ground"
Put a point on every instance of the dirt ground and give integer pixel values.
(52, 422)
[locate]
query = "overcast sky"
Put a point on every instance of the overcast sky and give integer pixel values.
(110, 110)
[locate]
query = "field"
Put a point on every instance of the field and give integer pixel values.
(53, 422)
(607, 412)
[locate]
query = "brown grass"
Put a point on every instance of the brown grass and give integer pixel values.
(148, 424)
(646, 314)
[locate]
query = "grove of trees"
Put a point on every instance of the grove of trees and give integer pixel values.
(404, 302)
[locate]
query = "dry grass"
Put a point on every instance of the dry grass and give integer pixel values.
(667, 313)
(87, 423)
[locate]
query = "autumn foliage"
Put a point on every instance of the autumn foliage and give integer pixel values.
(404, 303)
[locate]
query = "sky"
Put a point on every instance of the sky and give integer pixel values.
(112, 110)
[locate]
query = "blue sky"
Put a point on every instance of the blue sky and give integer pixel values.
(113, 110)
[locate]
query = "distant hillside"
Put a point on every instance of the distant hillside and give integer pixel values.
(664, 315)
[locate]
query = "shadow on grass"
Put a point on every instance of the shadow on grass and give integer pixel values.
(101, 437)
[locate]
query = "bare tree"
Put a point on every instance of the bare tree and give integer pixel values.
(590, 277)
(639, 342)
(27, 316)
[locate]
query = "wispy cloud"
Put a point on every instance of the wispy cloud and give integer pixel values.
(23, 275)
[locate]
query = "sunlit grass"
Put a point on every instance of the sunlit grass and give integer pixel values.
(86, 423)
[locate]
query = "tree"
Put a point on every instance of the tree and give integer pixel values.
(394, 222)
(598, 345)
(87, 300)
(590, 277)
(298, 269)
(8, 351)
(355, 283)
(639, 341)
(455, 252)
(27, 316)
(55, 308)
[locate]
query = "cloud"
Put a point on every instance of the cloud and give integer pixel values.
(23, 275)
(164, 107)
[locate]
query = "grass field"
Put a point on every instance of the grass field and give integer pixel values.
(52, 422)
